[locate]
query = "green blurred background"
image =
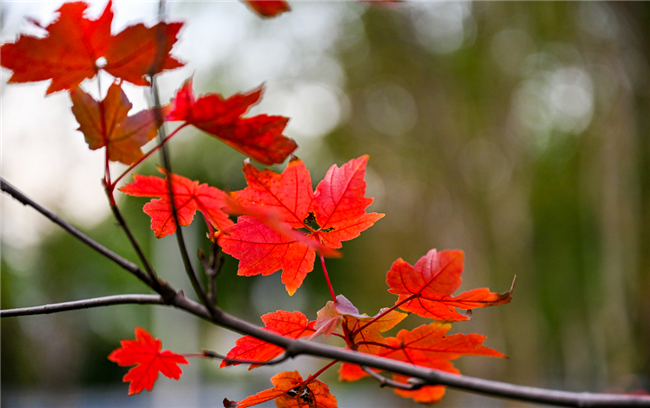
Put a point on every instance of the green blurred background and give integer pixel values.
(517, 132)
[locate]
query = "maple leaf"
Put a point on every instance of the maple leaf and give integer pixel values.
(426, 346)
(293, 325)
(338, 207)
(259, 137)
(70, 51)
(290, 391)
(426, 288)
(145, 353)
(357, 327)
(268, 8)
(189, 196)
(106, 124)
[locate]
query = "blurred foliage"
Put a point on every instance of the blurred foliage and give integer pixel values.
(518, 132)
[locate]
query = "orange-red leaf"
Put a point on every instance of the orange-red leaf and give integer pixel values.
(426, 288)
(263, 250)
(259, 137)
(294, 325)
(145, 353)
(139, 52)
(290, 391)
(357, 327)
(70, 50)
(340, 204)
(106, 124)
(189, 196)
(268, 8)
(426, 346)
(335, 213)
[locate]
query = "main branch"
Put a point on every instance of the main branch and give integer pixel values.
(295, 348)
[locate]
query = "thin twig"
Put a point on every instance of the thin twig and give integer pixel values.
(281, 359)
(162, 135)
(129, 266)
(387, 382)
(84, 304)
(134, 243)
(212, 267)
(189, 269)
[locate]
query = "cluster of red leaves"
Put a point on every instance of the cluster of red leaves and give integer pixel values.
(70, 51)
(76, 48)
(426, 346)
(283, 221)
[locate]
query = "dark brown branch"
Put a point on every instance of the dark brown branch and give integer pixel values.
(84, 304)
(129, 266)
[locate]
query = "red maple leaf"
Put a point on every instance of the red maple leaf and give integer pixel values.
(145, 353)
(106, 124)
(259, 137)
(268, 8)
(189, 196)
(293, 325)
(426, 288)
(70, 50)
(290, 391)
(427, 346)
(356, 327)
(335, 212)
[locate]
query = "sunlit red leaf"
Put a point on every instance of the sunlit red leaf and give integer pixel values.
(145, 353)
(427, 346)
(73, 45)
(426, 288)
(259, 137)
(340, 203)
(106, 124)
(338, 215)
(289, 194)
(290, 391)
(293, 325)
(189, 196)
(268, 8)
(139, 52)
